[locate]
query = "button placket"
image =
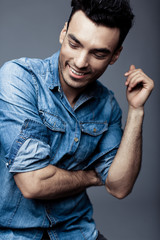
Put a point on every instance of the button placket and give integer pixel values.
(76, 138)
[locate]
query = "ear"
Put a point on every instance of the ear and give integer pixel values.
(116, 55)
(63, 33)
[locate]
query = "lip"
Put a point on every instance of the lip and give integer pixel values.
(76, 74)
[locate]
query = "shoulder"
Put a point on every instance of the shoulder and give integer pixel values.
(107, 99)
(16, 81)
(103, 93)
(16, 67)
(22, 70)
(15, 72)
(24, 65)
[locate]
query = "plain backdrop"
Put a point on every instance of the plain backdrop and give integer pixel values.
(31, 29)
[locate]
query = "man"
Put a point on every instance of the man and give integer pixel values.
(61, 128)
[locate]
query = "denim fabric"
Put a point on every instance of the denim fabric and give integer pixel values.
(38, 127)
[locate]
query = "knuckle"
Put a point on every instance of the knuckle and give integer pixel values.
(140, 70)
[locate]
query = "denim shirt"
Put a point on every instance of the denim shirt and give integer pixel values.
(38, 127)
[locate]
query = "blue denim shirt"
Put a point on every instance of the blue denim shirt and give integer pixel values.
(38, 127)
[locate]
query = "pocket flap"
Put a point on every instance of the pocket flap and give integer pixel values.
(53, 122)
(94, 129)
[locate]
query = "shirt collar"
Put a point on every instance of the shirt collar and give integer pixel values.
(54, 81)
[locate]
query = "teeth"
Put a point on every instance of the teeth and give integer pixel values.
(79, 74)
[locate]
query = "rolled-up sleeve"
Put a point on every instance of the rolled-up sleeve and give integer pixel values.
(107, 155)
(23, 137)
(30, 150)
(109, 143)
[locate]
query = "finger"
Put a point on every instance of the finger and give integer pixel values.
(137, 80)
(137, 74)
(132, 68)
(134, 74)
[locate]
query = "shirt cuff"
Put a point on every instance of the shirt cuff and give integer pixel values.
(102, 167)
(32, 155)
(30, 150)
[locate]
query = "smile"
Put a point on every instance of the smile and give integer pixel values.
(75, 72)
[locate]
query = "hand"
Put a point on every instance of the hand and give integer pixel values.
(93, 178)
(139, 87)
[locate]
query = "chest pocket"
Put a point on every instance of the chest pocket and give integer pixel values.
(91, 134)
(94, 129)
(56, 128)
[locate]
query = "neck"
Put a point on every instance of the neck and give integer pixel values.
(72, 94)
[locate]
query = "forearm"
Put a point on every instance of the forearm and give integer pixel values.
(52, 182)
(126, 165)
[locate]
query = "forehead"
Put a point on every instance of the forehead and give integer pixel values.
(91, 34)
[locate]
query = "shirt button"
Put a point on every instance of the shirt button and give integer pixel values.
(94, 129)
(76, 140)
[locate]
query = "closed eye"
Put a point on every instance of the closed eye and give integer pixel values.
(100, 55)
(72, 44)
(73, 41)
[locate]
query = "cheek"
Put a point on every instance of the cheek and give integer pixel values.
(99, 67)
(66, 51)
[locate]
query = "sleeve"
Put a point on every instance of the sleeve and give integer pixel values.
(110, 142)
(23, 137)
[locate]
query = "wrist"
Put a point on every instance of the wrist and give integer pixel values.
(91, 178)
(132, 111)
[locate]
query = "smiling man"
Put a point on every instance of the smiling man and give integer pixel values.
(61, 128)
(84, 58)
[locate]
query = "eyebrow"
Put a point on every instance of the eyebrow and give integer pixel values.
(100, 50)
(74, 38)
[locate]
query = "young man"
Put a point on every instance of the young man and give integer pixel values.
(61, 128)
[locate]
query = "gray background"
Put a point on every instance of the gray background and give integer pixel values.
(31, 28)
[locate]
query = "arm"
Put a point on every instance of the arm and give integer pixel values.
(20, 121)
(52, 182)
(127, 162)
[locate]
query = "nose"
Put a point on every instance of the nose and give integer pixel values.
(81, 60)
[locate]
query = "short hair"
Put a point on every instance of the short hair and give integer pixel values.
(109, 13)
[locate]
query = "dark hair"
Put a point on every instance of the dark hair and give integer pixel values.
(110, 13)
